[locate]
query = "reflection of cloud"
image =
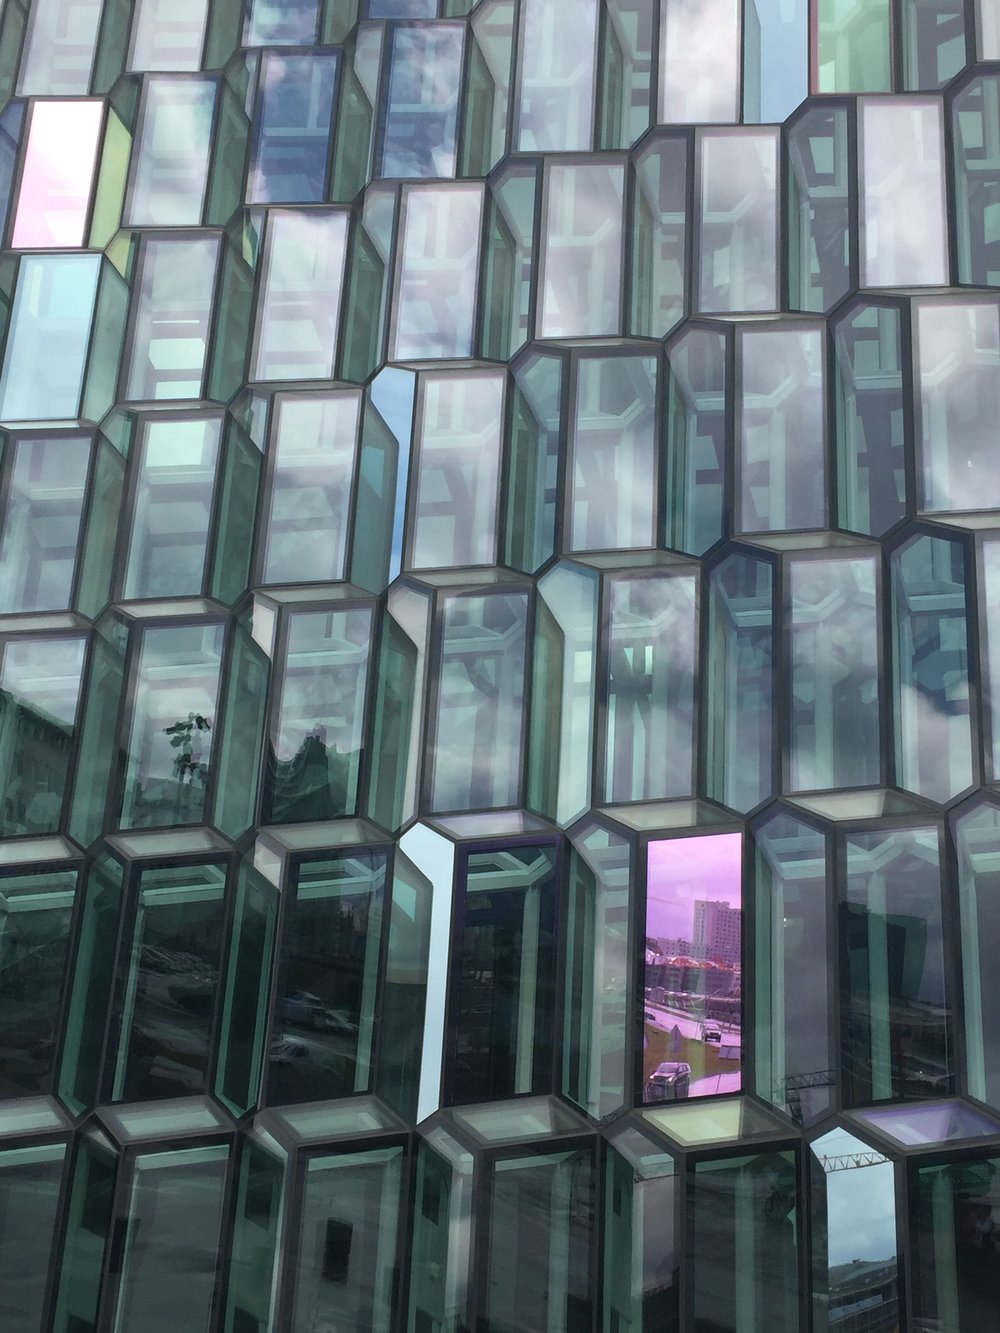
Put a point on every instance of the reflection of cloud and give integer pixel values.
(683, 870)
(701, 58)
(936, 745)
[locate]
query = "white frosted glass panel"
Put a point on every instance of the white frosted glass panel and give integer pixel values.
(299, 300)
(903, 229)
(582, 251)
(436, 298)
(557, 75)
(700, 65)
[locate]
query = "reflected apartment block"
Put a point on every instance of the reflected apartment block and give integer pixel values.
(499, 666)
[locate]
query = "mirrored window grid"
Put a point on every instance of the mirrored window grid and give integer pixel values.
(499, 666)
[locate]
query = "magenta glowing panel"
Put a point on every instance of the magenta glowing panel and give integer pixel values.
(692, 995)
(58, 175)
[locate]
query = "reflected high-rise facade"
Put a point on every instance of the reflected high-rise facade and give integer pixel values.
(499, 666)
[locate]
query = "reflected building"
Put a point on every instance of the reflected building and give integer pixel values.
(499, 598)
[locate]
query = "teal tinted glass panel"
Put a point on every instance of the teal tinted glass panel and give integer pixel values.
(50, 327)
(39, 693)
(34, 950)
(172, 508)
(42, 522)
(171, 973)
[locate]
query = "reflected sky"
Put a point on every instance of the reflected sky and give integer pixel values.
(683, 871)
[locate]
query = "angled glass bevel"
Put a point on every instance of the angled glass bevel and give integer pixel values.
(408, 1060)
(820, 242)
(508, 277)
(597, 1013)
(244, 988)
(535, 426)
(485, 106)
(369, 265)
(355, 112)
(95, 944)
(563, 685)
(736, 212)
(398, 722)
(977, 839)
(871, 410)
(650, 669)
(834, 671)
(974, 118)
(934, 733)
(659, 262)
(626, 48)
(258, 1232)
(698, 430)
(298, 299)
(739, 711)
(895, 1009)
(793, 1051)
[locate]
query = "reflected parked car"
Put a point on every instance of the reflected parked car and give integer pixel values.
(669, 1082)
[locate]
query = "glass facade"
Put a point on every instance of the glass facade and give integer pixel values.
(499, 666)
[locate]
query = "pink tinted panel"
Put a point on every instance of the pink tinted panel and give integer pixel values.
(58, 173)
